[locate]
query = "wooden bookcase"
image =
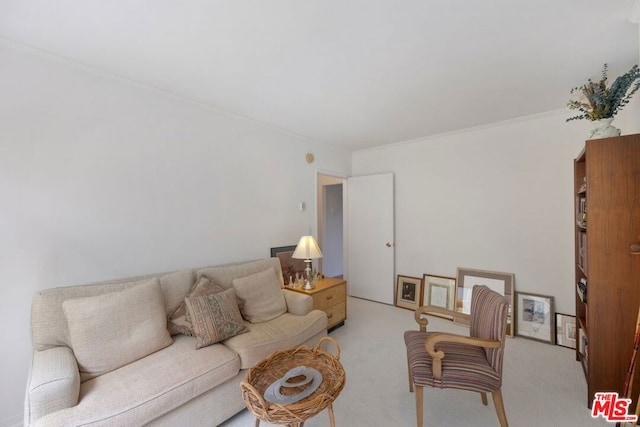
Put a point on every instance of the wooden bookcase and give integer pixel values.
(607, 222)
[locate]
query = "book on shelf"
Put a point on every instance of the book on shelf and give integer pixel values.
(581, 212)
(582, 250)
(583, 345)
(583, 187)
(581, 288)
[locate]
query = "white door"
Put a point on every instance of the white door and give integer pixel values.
(371, 270)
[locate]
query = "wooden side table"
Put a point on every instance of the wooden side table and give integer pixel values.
(330, 296)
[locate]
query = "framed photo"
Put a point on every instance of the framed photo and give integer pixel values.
(502, 283)
(408, 292)
(566, 333)
(290, 266)
(535, 317)
(439, 291)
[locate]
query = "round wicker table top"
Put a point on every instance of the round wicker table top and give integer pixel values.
(275, 367)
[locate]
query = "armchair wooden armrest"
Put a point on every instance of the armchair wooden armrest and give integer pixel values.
(421, 312)
(437, 355)
(462, 319)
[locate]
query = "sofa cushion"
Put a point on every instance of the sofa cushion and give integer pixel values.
(144, 390)
(112, 330)
(224, 274)
(175, 287)
(261, 298)
(49, 325)
(215, 317)
(179, 321)
(284, 331)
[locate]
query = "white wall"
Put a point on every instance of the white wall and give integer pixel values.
(101, 178)
(498, 198)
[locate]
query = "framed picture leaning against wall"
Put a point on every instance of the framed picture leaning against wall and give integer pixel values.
(408, 292)
(439, 291)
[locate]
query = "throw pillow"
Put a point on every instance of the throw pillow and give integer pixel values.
(179, 321)
(112, 330)
(260, 295)
(215, 317)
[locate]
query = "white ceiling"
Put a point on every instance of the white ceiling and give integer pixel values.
(352, 73)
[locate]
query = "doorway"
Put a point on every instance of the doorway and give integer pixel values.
(355, 220)
(331, 218)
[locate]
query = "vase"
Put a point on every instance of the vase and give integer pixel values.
(603, 129)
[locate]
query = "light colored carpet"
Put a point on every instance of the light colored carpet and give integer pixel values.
(543, 384)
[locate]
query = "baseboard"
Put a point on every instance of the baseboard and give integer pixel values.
(15, 421)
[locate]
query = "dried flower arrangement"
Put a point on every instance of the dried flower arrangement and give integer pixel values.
(601, 102)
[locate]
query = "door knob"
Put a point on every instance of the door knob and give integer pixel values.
(389, 244)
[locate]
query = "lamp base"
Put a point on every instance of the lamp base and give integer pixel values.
(307, 284)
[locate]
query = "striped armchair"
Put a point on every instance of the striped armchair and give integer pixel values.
(454, 361)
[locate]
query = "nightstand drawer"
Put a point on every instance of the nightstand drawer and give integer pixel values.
(329, 297)
(336, 314)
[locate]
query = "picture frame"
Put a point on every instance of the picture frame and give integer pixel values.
(535, 317)
(409, 292)
(498, 281)
(439, 291)
(290, 266)
(566, 333)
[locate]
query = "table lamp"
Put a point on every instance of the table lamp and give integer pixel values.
(307, 249)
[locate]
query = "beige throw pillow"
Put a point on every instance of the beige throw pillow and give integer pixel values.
(179, 321)
(261, 298)
(112, 330)
(215, 317)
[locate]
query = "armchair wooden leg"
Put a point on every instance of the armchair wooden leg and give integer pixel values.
(497, 401)
(483, 395)
(419, 407)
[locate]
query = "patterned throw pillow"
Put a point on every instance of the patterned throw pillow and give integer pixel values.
(179, 321)
(215, 317)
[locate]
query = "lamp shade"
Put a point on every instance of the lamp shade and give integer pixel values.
(307, 249)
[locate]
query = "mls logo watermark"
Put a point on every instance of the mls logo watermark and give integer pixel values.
(611, 407)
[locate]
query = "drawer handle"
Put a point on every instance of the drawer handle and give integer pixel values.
(330, 297)
(330, 316)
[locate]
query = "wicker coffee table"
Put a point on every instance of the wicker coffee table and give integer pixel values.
(273, 368)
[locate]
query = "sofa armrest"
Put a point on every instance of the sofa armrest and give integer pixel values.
(297, 303)
(53, 384)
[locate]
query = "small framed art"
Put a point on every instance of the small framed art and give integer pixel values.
(408, 292)
(565, 330)
(502, 283)
(439, 291)
(535, 317)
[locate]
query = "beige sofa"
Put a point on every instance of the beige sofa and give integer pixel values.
(173, 385)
